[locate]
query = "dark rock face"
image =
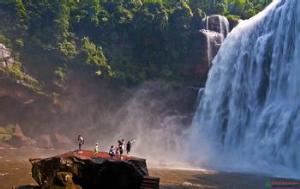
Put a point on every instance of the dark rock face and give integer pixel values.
(217, 23)
(89, 171)
(27, 187)
(205, 45)
(15, 97)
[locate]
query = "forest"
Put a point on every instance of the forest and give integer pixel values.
(206, 89)
(125, 41)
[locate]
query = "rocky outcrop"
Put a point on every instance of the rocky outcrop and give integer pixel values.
(19, 92)
(213, 41)
(217, 23)
(6, 59)
(11, 86)
(205, 45)
(89, 171)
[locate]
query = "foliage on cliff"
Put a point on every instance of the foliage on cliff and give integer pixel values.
(11, 69)
(128, 40)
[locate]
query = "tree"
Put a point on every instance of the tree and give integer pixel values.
(95, 57)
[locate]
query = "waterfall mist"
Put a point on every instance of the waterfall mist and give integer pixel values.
(156, 114)
(152, 117)
(248, 117)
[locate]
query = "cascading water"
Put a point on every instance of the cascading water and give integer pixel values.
(213, 43)
(216, 30)
(218, 24)
(249, 115)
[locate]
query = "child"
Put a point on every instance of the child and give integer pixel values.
(96, 148)
(111, 151)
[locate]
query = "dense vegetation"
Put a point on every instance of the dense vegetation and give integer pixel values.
(128, 40)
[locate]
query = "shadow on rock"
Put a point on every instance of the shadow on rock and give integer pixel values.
(27, 187)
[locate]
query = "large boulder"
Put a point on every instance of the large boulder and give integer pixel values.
(89, 171)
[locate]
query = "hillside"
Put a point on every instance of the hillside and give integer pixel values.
(89, 65)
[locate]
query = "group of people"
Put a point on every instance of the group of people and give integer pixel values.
(119, 150)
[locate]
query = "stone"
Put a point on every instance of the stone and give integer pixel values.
(88, 170)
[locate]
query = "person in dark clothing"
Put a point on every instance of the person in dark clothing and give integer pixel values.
(119, 142)
(121, 146)
(111, 151)
(80, 142)
(128, 147)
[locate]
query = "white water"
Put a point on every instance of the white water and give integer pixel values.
(217, 28)
(218, 24)
(249, 115)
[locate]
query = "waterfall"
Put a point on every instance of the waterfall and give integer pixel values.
(213, 43)
(249, 115)
(218, 24)
(216, 30)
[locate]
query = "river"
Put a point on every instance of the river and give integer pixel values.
(15, 170)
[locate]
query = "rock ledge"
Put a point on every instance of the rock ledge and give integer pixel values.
(87, 170)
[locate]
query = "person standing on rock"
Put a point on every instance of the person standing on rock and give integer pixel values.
(128, 146)
(80, 142)
(111, 151)
(97, 148)
(121, 146)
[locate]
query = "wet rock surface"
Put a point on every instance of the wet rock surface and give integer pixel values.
(206, 42)
(205, 46)
(217, 23)
(88, 170)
